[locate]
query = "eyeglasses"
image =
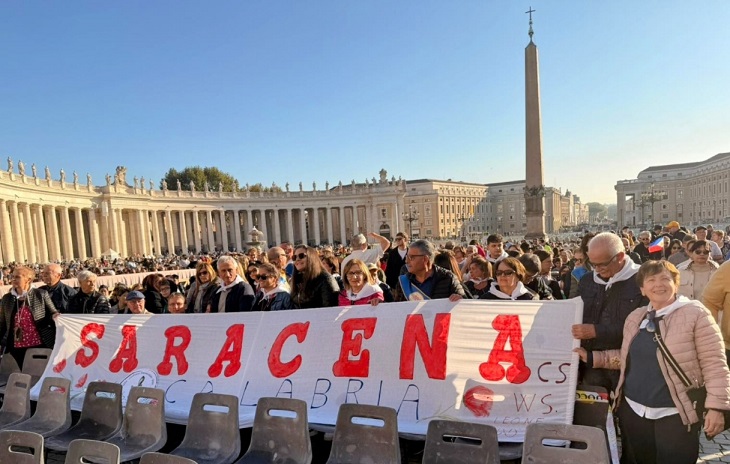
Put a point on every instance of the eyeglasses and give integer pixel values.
(410, 257)
(355, 274)
(701, 252)
(203, 273)
(606, 264)
(300, 256)
(504, 273)
(262, 277)
(645, 239)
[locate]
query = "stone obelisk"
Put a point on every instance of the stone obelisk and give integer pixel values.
(534, 187)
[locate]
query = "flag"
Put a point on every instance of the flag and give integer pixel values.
(656, 245)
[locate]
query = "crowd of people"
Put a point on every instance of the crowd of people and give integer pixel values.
(668, 281)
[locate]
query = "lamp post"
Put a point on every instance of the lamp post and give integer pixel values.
(652, 196)
(410, 217)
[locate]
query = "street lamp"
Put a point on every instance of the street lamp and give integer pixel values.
(652, 196)
(410, 217)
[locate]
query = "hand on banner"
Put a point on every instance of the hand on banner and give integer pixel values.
(374, 302)
(455, 297)
(584, 331)
(582, 354)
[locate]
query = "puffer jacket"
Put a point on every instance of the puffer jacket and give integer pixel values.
(694, 340)
(445, 284)
(688, 279)
(717, 298)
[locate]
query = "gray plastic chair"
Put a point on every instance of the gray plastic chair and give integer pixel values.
(536, 453)
(35, 362)
(365, 433)
(101, 416)
(53, 411)
(85, 451)
(144, 427)
(8, 365)
(159, 458)
(16, 403)
(21, 447)
(212, 435)
(278, 438)
(452, 442)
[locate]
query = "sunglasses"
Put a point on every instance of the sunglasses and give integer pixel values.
(203, 273)
(504, 273)
(701, 252)
(300, 256)
(262, 277)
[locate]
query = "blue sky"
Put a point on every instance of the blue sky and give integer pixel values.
(283, 91)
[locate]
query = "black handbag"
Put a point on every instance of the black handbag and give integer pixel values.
(697, 393)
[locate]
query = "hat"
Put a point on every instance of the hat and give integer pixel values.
(700, 228)
(372, 266)
(135, 295)
(673, 224)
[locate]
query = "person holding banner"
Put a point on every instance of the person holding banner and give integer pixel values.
(360, 288)
(311, 285)
(424, 280)
(670, 347)
(510, 285)
(26, 319)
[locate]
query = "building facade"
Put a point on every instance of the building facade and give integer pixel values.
(45, 219)
(690, 193)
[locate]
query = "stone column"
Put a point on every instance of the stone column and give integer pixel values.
(534, 185)
(80, 235)
(289, 226)
(114, 232)
(168, 232)
(7, 235)
(68, 249)
(249, 223)
(277, 228)
(196, 231)
(183, 232)
(315, 220)
(237, 230)
(147, 230)
(329, 226)
(133, 232)
(224, 230)
(54, 237)
(123, 227)
(303, 224)
(30, 243)
(209, 229)
(96, 250)
(142, 232)
(40, 226)
(343, 236)
(263, 228)
(157, 245)
(104, 234)
(17, 234)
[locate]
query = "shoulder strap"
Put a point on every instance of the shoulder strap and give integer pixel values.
(670, 359)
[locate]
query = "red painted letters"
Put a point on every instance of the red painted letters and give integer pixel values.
(352, 346)
(82, 359)
(230, 353)
(281, 369)
(126, 358)
(433, 354)
(178, 351)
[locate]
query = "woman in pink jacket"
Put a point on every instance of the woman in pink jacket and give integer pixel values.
(658, 420)
(360, 288)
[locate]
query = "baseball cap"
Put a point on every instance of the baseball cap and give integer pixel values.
(673, 224)
(135, 295)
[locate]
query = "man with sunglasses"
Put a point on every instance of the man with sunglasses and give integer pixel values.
(683, 254)
(642, 248)
(609, 293)
(425, 278)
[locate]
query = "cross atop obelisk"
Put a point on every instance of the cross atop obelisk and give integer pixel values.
(534, 187)
(530, 11)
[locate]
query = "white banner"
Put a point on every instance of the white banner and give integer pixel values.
(502, 363)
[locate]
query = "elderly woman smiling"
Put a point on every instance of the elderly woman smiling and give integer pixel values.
(510, 274)
(658, 420)
(360, 288)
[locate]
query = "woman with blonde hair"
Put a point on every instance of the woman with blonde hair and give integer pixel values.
(202, 290)
(360, 287)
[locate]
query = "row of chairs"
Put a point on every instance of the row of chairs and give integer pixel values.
(34, 364)
(363, 433)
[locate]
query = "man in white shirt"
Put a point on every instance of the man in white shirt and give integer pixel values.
(361, 251)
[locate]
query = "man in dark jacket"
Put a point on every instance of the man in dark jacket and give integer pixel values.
(432, 281)
(235, 294)
(60, 293)
(88, 300)
(396, 260)
(609, 293)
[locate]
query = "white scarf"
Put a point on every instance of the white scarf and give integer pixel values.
(366, 291)
(21, 296)
(477, 281)
(519, 290)
(667, 310)
(272, 292)
(628, 271)
(225, 288)
(502, 256)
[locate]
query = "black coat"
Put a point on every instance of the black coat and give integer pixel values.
(445, 284)
(42, 309)
(608, 310)
(60, 295)
(154, 302)
(393, 267)
(321, 292)
(240, 299)
(95, 303)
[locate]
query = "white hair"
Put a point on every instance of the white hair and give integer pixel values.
(229, 260)
(83, 276)
(608, 240)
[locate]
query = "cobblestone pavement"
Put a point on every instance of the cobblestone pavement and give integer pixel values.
(716, 451)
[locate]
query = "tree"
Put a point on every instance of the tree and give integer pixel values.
(199, 176)
(597, 210)
(260, 188)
